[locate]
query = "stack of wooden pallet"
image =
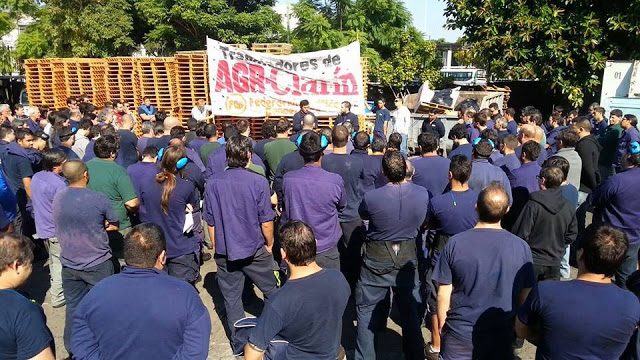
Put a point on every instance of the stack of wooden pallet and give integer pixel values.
(272, 48)
(506, 90)
(59, 91)
(192, 81)
(121, 78)
(156, 80)
(82, 77)
(39, 77)
(364, 63)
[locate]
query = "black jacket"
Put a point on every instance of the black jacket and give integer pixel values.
(548, 224)
(589, 150)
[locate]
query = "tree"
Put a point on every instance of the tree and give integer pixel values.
(92, 28)
(184, 25)
(13, 10)
(564, 43)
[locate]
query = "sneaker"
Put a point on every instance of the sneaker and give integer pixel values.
(206, 256)
(57, 306)
(431, 354)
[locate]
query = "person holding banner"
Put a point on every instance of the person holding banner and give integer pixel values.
(347, 116)
(299, 116)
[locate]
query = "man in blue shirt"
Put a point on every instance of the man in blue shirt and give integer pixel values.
(147, 112)
(23, 325)
(483, 274)
(383, 116)
(509, 161)
(586, 318)
(431, 170)
(483, 173)
(307, 311)
(461, 145)
(630, 134)
(395, 212)
(316, 196)
(133, 300)
(66, 135)
(433, 124)
(347, 116)
(617, 203)
(299, 116)
(512, 125)
(351, 169)
(237, 210)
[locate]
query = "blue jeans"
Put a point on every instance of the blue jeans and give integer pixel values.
(628, 266)
(403, 145)
(565, 269)
(371, 291)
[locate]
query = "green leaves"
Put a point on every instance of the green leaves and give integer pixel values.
(564, 43)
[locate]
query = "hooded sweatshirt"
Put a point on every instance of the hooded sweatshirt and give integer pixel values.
(548, 224)
(589, 150)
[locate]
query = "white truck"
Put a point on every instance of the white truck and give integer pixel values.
(621, 87)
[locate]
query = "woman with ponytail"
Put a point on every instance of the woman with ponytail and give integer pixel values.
(168, 198)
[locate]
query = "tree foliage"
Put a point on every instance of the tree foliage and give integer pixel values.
(397, 52)
(564, 43)
(101, 28)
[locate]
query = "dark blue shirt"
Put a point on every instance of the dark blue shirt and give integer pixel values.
(351, 169)
(299, 117)
(315, 196)
(128, 152)
(236, 202)
(71, 155)
(628, 136)
(512, 127)
(141, 173)
(172, 223)
(599, 127)
(292, 314)
(348, 117)
(464, 149)
(395, 211)
(217, 162)
(488, 269)
(289, 162)
(508, 163)
(197, 143)
(79, 215)
(23, 327)
(541, 159)
(617, 202)
(89, 153)
(552, 140)
(436, 127)
(141, 314)
(453, 212)
(472, 133)
(525, 177)
(382, 116)
(581, 319)
(432, 173)
(483, 173)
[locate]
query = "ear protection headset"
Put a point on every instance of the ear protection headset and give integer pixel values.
(179, 165)
(353, 137)
(477, 141)
(324, 142)
(634, 148)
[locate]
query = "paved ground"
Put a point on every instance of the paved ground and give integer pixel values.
(389, 345)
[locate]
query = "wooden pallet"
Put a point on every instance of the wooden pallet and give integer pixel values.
(426, 106)
(272, 48)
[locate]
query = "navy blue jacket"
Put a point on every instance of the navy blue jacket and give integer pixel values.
(141, 314)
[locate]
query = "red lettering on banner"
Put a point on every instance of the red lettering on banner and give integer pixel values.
(223, 80)
(256, 78)
(296, 85)
(240, 77)
(274, 83)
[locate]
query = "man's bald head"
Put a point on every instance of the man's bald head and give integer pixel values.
(308, 122)
(538, 135)
(493, 203)
(169, 123)
(127, 121)
(528, 132)
(176, 142)
(74, 170)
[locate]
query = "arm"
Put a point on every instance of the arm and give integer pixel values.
(441, 129)
(267, 232)
(527, 323)
(212, 236)
(111, 226)
(572, 232)
(443, 303)
(252, 352)
(132, 205)
(45, 354)
(524, 223)
(84, 342)
(27, 186)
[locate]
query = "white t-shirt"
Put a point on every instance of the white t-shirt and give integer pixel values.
(401, 120)
(200, 115)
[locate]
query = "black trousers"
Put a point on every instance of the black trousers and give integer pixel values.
(350, 248)
(544, 272)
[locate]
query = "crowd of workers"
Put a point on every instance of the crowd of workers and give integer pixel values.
(471, 245)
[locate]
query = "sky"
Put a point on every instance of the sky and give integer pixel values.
(428, 17)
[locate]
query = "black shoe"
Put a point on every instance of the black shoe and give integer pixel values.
(206, 257)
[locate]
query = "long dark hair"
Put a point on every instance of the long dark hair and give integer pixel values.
(167, 176)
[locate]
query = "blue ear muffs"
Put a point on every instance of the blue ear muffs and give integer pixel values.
(74, 130)
(324, 142)
(477, 141)
(182, 163)
(353, 136)
(634, 148)
(179, 165)
(370, 139)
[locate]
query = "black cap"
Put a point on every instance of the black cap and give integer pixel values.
(66, 131)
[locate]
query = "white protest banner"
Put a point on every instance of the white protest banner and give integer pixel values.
(252, 84)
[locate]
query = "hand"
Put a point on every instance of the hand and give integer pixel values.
(189, 209)
(269, 249)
